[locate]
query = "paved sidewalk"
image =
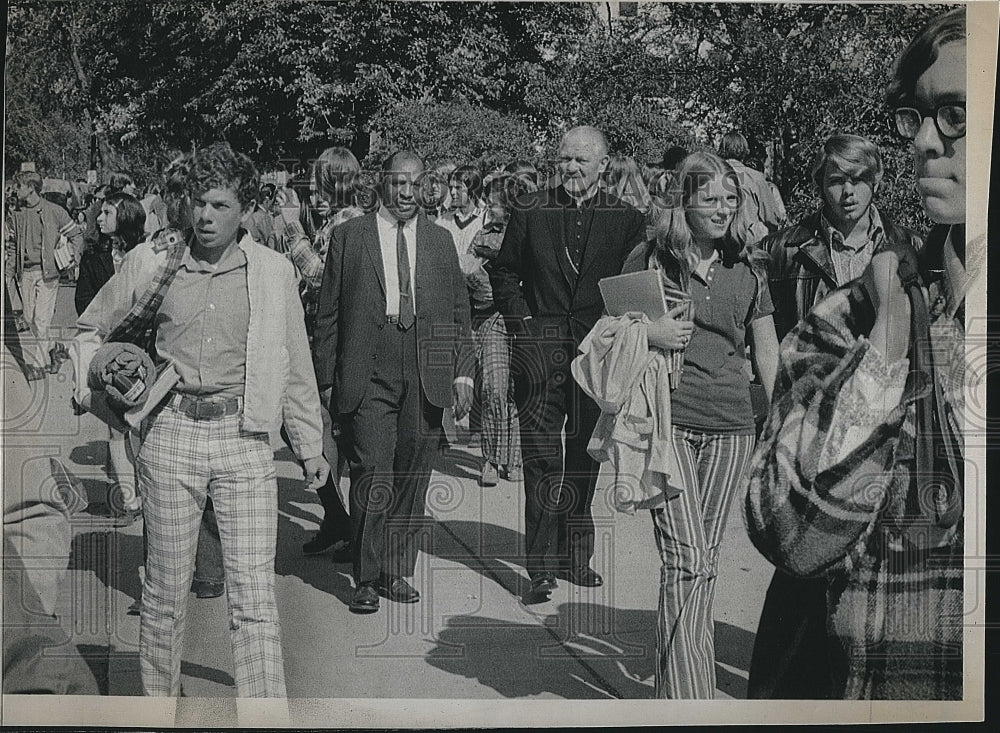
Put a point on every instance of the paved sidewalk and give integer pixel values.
(470, 637)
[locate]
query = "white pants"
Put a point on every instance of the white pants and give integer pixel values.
(39, 298)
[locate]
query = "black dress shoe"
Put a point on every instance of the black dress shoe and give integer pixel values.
(321, 542)
(207, 589)
(582, 576)
(365, 599)
(397, 589)
(543, 582)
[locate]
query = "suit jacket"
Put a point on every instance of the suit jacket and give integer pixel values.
(352, 307)
(533, 276)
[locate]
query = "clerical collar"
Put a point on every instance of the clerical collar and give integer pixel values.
(581, 201)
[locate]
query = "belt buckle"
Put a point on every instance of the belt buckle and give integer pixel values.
(394, 320)
(208, 410)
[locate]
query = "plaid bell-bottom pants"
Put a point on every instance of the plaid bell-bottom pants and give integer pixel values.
(182, 461)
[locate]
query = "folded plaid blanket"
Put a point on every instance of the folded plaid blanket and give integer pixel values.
(124, 372)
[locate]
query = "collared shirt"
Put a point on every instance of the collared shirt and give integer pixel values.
(714, 393)
(202, 325)
(387, 228)
(30, 221)
(280, 384)
(849, 262)
(35, 233)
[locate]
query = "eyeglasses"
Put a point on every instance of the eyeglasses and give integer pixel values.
(949, 119)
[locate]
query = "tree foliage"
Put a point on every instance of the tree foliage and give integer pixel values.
(281, 79)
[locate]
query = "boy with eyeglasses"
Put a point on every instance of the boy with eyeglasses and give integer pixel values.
(858, 477)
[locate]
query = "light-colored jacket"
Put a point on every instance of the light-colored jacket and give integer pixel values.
(630, 383)
(280, 384)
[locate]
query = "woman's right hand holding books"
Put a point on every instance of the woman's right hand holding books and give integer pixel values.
(671, 331)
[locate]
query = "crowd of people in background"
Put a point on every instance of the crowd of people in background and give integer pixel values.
(434, 290)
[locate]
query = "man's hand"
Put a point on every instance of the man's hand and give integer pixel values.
(326, 397)
(891, 331)
(317, 471)
(461, 392)
(485, 251)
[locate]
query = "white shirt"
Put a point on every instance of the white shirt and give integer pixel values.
(463, 236)
(387, 227)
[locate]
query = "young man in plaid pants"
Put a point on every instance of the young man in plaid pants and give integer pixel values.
(226, 315)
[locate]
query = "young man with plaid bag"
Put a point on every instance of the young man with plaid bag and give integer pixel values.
(225, 314)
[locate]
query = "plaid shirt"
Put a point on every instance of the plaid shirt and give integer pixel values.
(895, 606)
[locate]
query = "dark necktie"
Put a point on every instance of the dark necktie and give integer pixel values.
(406, 317)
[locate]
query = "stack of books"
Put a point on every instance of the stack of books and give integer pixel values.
(644, 292)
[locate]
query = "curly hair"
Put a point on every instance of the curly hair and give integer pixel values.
(218, 166)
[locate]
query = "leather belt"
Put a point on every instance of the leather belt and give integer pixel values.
(205, 408)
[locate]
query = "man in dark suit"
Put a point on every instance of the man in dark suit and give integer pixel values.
(393, 341)
(558, 244)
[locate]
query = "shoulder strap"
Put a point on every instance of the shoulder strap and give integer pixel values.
(135, 326)
(937, 482)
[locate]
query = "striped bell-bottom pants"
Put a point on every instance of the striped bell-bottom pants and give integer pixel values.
(688, 533)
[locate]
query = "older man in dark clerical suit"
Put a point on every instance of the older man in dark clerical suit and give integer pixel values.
(393, 340)
(558, 244)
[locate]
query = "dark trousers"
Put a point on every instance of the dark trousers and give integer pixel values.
(336, 522)
(794, 657)
(559, 484)
(390, 442)
(208, 565)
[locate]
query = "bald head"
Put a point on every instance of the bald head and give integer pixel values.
(401, 174)
(583, 157)
(400, 159)
(587, 135)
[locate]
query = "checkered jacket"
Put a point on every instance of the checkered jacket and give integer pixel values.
(894, 605)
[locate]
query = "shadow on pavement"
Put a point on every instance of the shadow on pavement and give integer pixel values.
(581, 651)
(319, 571)
(576, 653)
(453, 461)
(94, 453)
(207, 673)
(96, 657)
(114, 557)
(483, 547)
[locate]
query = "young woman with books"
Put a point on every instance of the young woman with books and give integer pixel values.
(701, 248)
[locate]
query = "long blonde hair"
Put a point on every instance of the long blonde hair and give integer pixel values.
(624, 179)
(674, 246)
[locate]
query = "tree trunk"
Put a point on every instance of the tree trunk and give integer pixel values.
(81, 77)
